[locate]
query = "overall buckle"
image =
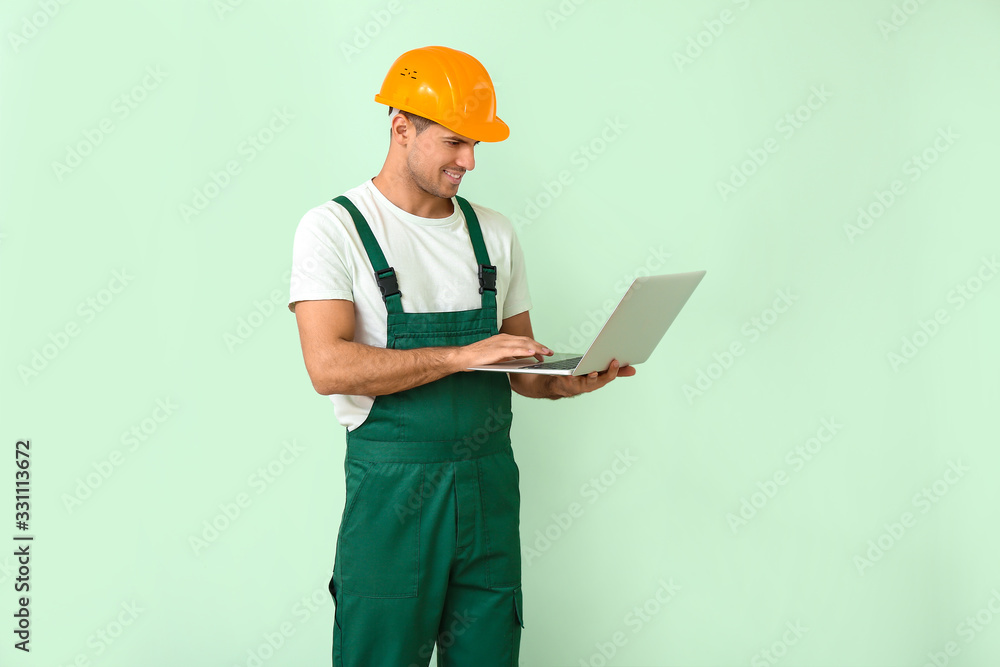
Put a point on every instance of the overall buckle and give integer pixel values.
(387, 284)
(487, 277)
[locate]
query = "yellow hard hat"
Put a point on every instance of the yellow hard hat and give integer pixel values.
(448, 87)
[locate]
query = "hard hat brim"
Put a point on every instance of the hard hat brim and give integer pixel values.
(495, 131)
(489, 132)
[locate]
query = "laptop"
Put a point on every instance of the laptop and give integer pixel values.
(644, 313)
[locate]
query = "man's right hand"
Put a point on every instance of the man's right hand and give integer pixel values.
(502, 347)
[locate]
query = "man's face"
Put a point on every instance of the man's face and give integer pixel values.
(438, 159)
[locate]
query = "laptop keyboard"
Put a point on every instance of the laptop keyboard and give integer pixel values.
(570, 363)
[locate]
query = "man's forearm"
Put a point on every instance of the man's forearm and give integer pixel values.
(365, 370)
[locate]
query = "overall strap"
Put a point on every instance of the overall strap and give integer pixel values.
(385, 275)
(487, 271)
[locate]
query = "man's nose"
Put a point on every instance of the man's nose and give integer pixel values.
(466, 159)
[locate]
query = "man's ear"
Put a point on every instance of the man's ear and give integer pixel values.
(400, 129)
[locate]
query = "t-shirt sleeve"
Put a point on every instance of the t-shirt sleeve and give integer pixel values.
(518, 297)
(319, 268)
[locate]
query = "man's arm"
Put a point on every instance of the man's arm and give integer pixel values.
(338, 365)
(530, 385)
(538, 385)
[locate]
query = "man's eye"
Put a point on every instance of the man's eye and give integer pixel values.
(453, 143)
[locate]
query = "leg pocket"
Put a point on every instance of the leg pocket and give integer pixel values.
(501, 502)
(378, 547)
(515, 647)
(332, 587)
(338, 637)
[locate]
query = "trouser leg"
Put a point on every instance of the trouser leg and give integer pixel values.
(480, 627)
(482, 617)
(429, 551)
(394, 553)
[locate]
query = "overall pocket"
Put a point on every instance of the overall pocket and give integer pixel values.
(378, 545)
(515, 635)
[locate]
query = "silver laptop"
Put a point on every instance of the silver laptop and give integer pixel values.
(636, 325)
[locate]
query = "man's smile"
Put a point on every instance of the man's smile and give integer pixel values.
(454, 176)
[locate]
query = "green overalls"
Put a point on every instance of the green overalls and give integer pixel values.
(429, 544)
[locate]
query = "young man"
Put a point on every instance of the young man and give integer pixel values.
(398, 286)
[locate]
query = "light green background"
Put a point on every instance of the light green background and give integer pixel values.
(656, 186)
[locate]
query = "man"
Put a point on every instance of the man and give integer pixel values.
(390, 315)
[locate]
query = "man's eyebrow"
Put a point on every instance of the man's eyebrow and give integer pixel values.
(453, 137)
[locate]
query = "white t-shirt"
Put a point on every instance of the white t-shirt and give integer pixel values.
(433, 259)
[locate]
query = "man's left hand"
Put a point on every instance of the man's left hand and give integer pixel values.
(571, 385)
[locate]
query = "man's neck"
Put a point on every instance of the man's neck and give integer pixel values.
(411, 200)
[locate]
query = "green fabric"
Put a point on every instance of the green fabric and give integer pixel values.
(429, 546)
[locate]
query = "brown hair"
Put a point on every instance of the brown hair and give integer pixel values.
(418, 122)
